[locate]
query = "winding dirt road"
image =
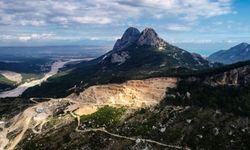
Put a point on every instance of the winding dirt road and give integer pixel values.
(133, 94)
(125, 137)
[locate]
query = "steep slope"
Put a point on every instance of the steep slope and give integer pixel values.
(135, 56)
(235, 54)
(148, 50)
(5, 83)
(133, 94)
(128, 38)
(201, 112)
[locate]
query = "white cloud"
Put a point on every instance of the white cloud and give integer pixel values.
(177, 27)
(52, 36)
(61, 20)
(43, 12)
(35, 36)
(32, 22)
(104, 38)
(92, 20)
(185, 9)
(28, 37)
(196, 41)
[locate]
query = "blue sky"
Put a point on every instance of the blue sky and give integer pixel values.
(202, 26)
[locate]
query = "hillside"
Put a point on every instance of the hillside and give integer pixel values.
(206, 111)
(5, 83)
(235, 54)
(115, 107)
(137, 55)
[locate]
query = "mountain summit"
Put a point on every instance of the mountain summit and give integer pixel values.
(129, 37)
(150, 37)
(136, 55)
(147, 37)
(147, 50)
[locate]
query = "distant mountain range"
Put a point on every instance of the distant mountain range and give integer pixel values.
(235, 54)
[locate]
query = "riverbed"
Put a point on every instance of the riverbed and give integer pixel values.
(23, 87)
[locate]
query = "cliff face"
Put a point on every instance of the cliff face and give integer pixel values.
(133, 36)
(146, 48)
(150, 37)
(129, 37)
(237, 76)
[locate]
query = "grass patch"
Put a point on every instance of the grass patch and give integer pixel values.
(26, 77)
(6, 81)
(106, 115)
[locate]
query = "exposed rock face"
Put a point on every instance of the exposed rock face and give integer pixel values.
(149, 37)
(129, 37)
(13, 76)
(133, 93)
(133, 36)
(120, 58)
(237, 76)
(133, 43)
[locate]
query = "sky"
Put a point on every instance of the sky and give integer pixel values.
(202, 26)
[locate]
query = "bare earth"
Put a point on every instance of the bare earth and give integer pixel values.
(21, 88)
(134, 94)
(13, 76)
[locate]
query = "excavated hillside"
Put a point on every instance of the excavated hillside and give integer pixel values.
(209, 111)
(132, 94)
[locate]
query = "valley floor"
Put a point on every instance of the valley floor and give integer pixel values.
(13, 76)
(21, 88)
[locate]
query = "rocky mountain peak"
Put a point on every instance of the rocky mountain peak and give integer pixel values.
(133, 36)
(150, 37)
(129, 37)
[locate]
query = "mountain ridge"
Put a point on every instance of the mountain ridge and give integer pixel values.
(240, 52)
(136, 55)
(148, 39)
(184, 111)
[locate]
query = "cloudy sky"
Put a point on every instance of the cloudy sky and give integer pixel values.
(202, 26)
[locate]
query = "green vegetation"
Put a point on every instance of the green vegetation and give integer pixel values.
(6, 81)
(27, 65)
(106, 115)
(234, 99)
(31, 76)
(29, 68)
(154, 63)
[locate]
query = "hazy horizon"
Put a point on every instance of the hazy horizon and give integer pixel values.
(197, 48)
(203, 26)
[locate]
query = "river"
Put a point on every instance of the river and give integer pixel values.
(54, 70)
